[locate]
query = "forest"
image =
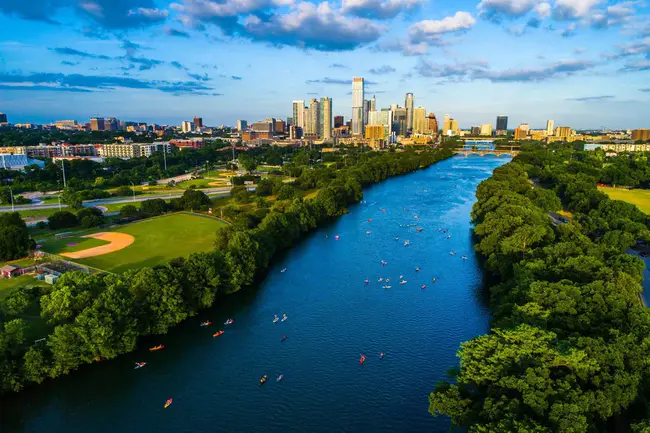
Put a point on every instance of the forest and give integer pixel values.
(94, 318)
(568, 345)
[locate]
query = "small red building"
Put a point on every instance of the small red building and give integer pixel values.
(9, 271)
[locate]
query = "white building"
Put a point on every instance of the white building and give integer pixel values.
(187, 126)
(486, 129)
(357, 106)
(550, 127)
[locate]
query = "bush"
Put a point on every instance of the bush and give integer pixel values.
(92, 221)
(62, 220)
(239, 194)
(89, 211)
(129, 211)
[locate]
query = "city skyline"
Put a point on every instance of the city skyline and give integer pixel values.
(231, 60)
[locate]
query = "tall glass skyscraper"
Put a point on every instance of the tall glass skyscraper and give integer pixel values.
(357, 106)
(502, 123)
(325, 123)
(408, 103)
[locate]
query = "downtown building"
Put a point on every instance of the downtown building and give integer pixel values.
(358, 103)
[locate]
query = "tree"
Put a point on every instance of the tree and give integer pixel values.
(71, 198)
(129, 211)
(239, 194)
(194, 200)
(287, 192)
(14, 237)
(62, 220)
(153, 207)
(248, 162)
(70, 295)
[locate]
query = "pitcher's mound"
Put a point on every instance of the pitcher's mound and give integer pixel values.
(117, 241)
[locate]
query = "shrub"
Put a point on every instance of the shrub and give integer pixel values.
(62, 220)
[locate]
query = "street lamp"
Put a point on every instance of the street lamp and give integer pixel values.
(12, 199)
(133, 189)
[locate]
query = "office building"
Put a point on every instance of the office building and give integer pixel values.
(312, 120)
(550, 127)
(524, 127)
(265, 126)
(641, 134)
(382, 118)
(325, 121)
(521, 134)
(419, 120)
(446, 125)
(339, 121)
(454, 128)
(280, 126)
(563, 132)
(299, 113)
(295, 132)
(242, 125)
(432, 125)
(408, 104)
(97, 124)
(357, 106)
(198, 122)
(65, 124)
(111, 124)
(378, 135)
(502, 125)
(187, 126)
(3, 118)
(366, 110)
(475, 131)
(187, 144)
(486, 129)
(271, 121)
(400, 121)
(373, 104)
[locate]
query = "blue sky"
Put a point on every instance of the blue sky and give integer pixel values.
(583, 63)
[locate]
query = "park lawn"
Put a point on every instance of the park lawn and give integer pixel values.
(158, 240)
(58, 246)
(6, 284)
(638, 197)
(198, 183)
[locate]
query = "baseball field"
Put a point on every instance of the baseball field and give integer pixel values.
(145, 243)
(638, 197)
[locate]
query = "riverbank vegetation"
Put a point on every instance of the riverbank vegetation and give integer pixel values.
(100, 317)
(567, 350)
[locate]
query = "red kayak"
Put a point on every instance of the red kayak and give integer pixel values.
(216, 334)
(363, 359)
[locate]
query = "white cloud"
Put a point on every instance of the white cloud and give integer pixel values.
(431, 30)
(572, 9)
(151, 13)
(543, 10)
(92, 8)
(495, 10)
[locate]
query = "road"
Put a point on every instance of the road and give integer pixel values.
(125, 200)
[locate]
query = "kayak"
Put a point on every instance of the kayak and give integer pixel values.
(206, 323)
(229, 322)
(363, 359)
(381, 355)
(280, 377)
(263, 380)
(139, 365)
(168, 403)
(284, 337)
(218, 333)
(275, 320)
(151, 349)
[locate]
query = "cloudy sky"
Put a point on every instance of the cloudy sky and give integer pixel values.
(583, 63)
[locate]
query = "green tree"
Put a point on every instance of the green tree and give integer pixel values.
(14, 237)
(194, 200)
(62, 220)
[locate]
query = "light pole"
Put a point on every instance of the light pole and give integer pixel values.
(133, 189)
(59, 202)
(12, 198)
(63, 168)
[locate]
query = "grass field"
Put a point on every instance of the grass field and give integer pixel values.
(6, 284)
(61, 245)
(157, 241)
(638, 197)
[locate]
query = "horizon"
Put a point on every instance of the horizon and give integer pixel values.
(164, 62)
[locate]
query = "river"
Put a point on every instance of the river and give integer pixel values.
(333, 317)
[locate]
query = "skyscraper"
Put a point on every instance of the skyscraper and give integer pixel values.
(198, 122)
(399, 121)
(373, 104)
(338, 121)
(325, 118)
(432, 124)
(97, 124)
(486, 129)
(357, 106)
(408, 103)
(419, 120)
(242, 125)
(299, 113)
(502, 124)
(312, 119)
(550, 127)
(186, 126)
(446, 125)
(366, 110)
(3, 118)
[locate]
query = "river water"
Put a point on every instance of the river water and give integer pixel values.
(333, 317)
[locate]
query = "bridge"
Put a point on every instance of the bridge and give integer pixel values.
(485, 152)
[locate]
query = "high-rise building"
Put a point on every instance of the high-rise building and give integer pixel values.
(312, 119)
(339, 121)
(563, 132)
(399, 121)
(408, 103)
(187, 126)
(419, 120)
(325, 121)
(475, 131)
(271, 121)
(111, 124)
(299, 113)
(453, 126)
(96, 123)
(382, 118)
(357, 106)
(550, 127)
(373, 104)
(502, 125)
(242, 125)
(198, 122)
(641, 134)
(3, 118)
(279, 126)
(486, 129)
(524, 127)
(366, 110)
(295, 132)
(446, 125)
(521, 134)
(432, 125)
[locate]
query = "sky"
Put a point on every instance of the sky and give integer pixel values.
(582, 63)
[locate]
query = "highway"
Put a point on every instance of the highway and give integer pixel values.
(125, 200)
